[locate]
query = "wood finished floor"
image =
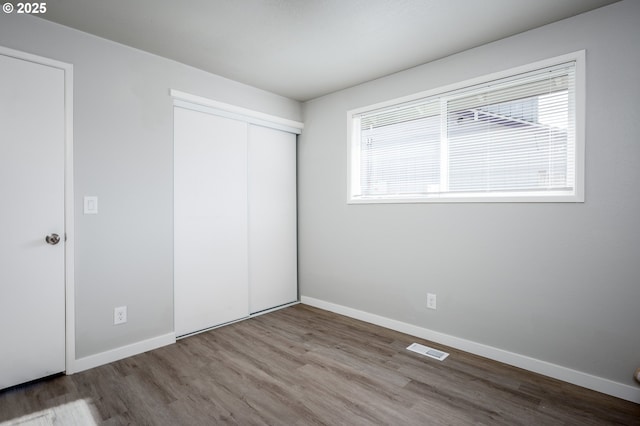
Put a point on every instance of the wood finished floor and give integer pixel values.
(305, 366)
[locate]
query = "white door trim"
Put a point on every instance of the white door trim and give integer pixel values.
(210, 106)
(70, 344)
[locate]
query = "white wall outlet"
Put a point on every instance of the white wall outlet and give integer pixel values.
(119, 315)
(431, 301)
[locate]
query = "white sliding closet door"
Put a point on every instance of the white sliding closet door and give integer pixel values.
(210, 220)
(272, 218)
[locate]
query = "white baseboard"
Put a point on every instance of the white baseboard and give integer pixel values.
(599, 384)
(122, 352)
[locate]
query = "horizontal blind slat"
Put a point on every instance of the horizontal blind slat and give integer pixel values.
(511, 135)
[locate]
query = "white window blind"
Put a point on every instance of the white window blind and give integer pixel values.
(508, 138)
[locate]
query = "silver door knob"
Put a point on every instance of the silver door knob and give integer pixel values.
(52, 239)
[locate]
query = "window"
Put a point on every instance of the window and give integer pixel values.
(513, 136)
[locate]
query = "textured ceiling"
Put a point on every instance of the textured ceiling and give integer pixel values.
(303, 49)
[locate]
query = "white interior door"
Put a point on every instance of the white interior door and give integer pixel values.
(210, 221)
(32, 286)
(272, 218)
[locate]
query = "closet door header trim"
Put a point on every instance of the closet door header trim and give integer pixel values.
(198, 103)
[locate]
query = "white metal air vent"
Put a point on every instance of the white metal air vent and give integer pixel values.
(427, 351)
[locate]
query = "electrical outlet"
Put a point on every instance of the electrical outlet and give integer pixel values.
(431, 301)
(119, 315)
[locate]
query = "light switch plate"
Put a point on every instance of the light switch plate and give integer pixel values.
(91, 205)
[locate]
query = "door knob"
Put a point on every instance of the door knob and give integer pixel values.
(52, 239)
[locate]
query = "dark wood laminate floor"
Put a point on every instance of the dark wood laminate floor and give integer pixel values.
(305, 366)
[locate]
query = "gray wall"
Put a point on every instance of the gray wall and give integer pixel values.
(123, 143)
(556, 282)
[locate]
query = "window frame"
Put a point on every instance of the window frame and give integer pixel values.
(353, 141)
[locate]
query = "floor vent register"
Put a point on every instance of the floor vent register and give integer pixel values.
(427, 351)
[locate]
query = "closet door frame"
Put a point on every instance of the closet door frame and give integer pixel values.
(187, 101)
